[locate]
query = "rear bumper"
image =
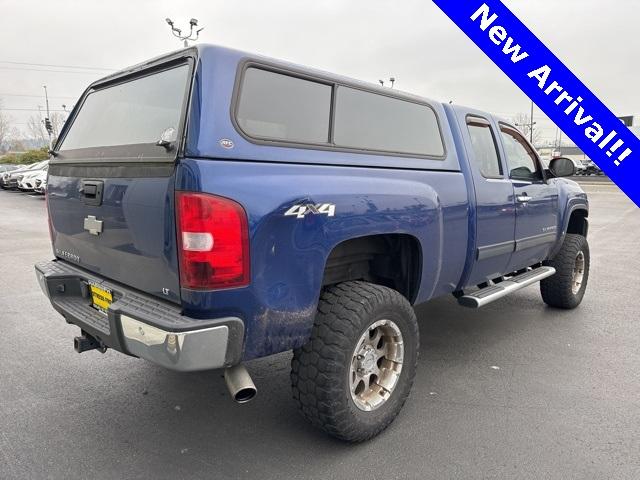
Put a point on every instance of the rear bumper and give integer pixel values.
(139, 324)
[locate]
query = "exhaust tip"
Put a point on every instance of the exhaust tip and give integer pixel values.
(240, 384)
(245, 395)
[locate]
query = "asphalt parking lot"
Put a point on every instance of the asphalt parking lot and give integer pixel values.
(515, 390)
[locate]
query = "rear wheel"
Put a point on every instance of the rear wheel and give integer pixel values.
(353, 376)
(566, 288)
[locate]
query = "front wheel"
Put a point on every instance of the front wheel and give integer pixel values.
(566, 288)
(354, 375)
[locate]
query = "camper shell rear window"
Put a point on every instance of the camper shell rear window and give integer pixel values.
(140, 117)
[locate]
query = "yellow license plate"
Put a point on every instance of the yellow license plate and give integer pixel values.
(101, 298)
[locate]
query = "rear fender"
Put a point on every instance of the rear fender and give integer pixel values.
(290, 245)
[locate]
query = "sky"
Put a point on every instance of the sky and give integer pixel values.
(411, 40)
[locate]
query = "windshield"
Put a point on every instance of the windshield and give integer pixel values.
(136, 112)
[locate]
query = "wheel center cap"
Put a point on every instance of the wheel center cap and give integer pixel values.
(367, 360)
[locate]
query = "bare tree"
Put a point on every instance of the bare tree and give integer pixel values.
(15, 140)
(57, 122)
(36, 130)
(5, 127)
(523, 122)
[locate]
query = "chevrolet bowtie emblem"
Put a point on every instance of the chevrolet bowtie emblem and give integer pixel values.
(92, 225)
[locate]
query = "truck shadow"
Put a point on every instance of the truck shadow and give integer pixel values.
(190, 419)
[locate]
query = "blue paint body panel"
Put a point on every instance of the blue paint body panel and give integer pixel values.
(443, 203)
(288, 255)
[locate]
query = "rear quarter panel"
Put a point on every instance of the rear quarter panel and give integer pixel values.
(288, 254)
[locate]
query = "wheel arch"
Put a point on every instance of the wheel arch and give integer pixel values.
(578, 221)
(574, 221)
(394, 260)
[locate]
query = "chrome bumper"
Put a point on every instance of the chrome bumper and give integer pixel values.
(184, 351)
(141, 325)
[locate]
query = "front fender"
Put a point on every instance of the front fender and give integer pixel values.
(571, 197)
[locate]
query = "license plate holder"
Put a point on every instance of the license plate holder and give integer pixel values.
(101, 298)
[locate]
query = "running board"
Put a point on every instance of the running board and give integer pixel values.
(492, 293)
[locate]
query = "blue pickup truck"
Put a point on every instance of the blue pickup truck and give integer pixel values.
(210, 206)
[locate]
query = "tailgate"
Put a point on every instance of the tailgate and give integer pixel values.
(129, 237)
(110, 189)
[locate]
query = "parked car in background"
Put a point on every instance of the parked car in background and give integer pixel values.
(7, 173)
(9, 180)
(28, 181)
(41, 183)
(9, 177)
(5, 170)
(590, 168)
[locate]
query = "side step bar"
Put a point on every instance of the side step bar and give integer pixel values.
(492, 293)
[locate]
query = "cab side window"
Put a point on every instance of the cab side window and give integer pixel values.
(485, 151)
(522, 160)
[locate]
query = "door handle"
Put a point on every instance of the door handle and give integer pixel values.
(523, 198)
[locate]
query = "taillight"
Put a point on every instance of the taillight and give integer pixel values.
(213, 242)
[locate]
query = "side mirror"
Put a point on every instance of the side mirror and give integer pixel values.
(562, 167)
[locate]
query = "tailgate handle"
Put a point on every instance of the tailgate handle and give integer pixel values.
(92, 192)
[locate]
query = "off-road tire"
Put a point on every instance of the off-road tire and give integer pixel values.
(557, 290)
(320, 369)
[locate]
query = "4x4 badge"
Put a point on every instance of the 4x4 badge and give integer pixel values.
(92, 225)
(300, 211)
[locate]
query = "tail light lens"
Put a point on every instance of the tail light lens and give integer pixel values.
(213, 242)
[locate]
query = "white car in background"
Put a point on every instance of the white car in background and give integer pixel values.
(41, 182)
(9, 179)
(27, 182)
